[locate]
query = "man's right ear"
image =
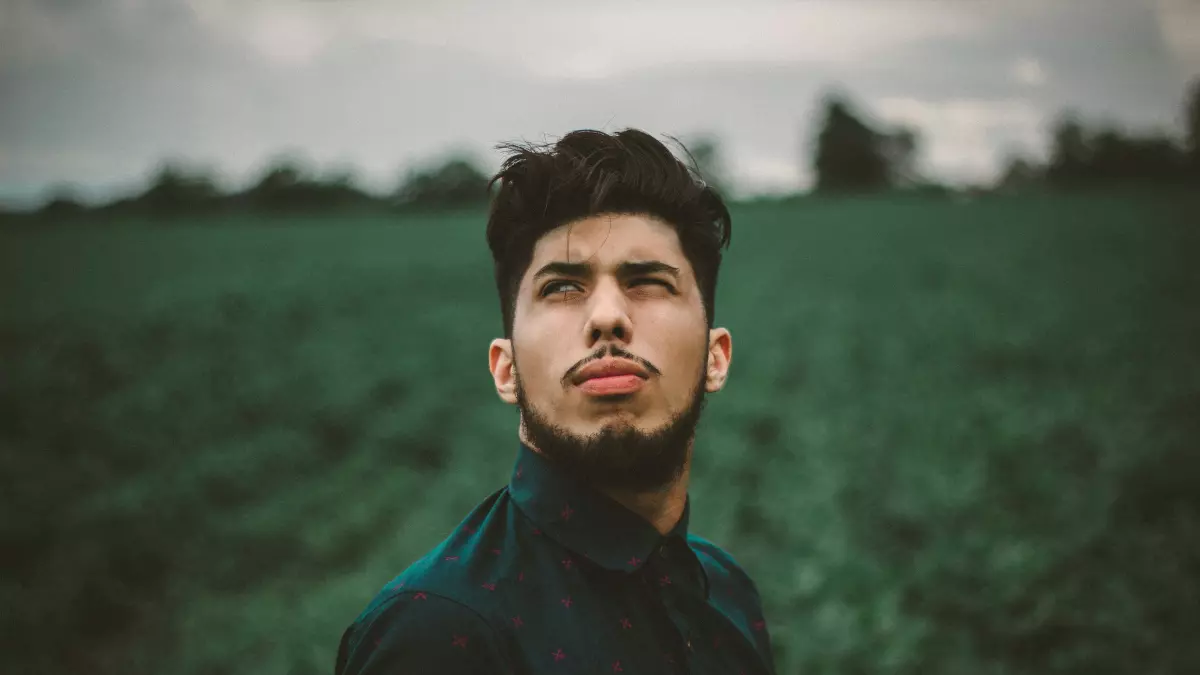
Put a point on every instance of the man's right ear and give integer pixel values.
(503, 369)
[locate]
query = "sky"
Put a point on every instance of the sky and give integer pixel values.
(95, 94)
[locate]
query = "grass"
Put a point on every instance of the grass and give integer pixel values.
(956, 437)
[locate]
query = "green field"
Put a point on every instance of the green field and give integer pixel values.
(957, 437)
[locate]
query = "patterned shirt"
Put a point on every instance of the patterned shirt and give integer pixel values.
(549, 575)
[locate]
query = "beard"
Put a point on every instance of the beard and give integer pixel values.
(619, 456)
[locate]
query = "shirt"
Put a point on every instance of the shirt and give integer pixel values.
(549, 575)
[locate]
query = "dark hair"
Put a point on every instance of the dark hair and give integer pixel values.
(588, 173)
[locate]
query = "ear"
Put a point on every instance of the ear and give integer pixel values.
(720, 352)
(503, 369)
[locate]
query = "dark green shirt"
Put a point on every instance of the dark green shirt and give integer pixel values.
(548, 575)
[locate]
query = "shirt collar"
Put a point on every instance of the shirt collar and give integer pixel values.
(583, 519)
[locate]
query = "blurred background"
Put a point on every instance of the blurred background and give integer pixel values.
(245, 299)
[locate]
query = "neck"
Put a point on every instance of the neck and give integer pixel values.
(662, 509)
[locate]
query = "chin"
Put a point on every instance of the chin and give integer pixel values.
(623, 424)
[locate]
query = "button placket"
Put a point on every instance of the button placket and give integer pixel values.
(651, 575)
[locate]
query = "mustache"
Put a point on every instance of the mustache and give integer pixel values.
(615, 352)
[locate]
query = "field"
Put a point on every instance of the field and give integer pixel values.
(958, 437)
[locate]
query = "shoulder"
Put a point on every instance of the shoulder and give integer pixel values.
(734, 594)
(721, 567)
(440, 613)
(419, 632)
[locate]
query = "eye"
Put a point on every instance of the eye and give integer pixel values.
(652, 280)
(548, 288)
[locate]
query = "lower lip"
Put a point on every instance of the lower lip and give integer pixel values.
(617, 384)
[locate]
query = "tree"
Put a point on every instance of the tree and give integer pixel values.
(1071, 152)
(900, 151)
(1117, 157)
(63, 203)
(1192, 124)
(1019, 174)
(341, 177)
(176, 190)
(849, 154)
(455, 181)
(1107, 155)
(281, 175)
(285, 186)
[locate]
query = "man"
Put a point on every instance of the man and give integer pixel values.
(606, 250)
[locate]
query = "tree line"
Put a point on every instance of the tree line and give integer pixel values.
(1084, 154)
(848, 155)
(286, 186)
(851, 156)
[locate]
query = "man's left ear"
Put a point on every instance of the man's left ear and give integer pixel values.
(720, 353)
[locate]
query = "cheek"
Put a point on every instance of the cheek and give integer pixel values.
(687, 364)
(536, 367)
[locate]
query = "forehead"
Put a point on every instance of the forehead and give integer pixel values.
(607, 240)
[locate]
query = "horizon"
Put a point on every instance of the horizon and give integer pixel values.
(106, 91)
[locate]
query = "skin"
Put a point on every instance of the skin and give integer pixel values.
(582, 317)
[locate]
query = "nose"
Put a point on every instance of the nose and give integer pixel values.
(608, 320)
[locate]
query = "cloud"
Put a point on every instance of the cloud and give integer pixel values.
(596, 40)
(1028, 71)
(379, 84)
(767, 175)
(968, 138)
(1179, 21)
(34, 32)
(99, 91)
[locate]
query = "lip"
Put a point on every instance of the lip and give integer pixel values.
(608, 369)
(611, 385)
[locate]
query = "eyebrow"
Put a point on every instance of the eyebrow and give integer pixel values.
(625, 270)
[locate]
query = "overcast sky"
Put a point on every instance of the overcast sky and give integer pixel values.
(97, 92)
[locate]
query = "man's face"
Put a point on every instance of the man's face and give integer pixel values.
(611, 288)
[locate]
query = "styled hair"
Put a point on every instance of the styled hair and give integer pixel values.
(588, 173)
